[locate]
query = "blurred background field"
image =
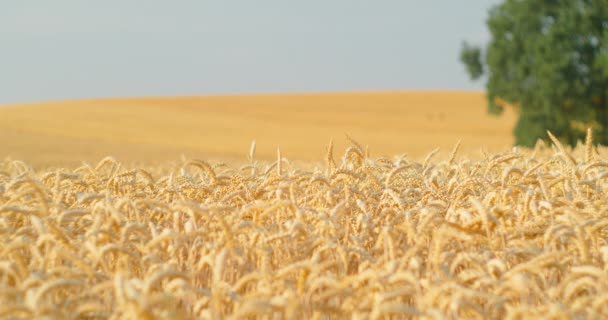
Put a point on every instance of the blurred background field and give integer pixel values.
(149, 130)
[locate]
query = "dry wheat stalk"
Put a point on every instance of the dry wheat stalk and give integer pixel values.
(514, 235)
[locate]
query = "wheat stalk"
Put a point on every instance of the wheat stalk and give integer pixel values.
(589, 146)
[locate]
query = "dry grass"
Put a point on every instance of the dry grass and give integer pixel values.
(515, 235)
(221, 128)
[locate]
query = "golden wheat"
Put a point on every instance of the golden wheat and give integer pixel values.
(516, 235)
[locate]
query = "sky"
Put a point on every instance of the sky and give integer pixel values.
(73, 49)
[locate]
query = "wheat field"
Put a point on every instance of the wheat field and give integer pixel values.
(160, 130)
(191, 220)
(519, 234)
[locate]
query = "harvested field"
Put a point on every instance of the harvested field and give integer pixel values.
(157, 130)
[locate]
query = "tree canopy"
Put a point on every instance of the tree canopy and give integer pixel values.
(548, 58)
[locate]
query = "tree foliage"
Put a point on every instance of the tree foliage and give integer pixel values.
(550, 59)
(471, 57)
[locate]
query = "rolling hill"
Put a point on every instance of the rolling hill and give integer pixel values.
(223, 127)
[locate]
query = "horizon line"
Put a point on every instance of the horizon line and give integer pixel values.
(251, 94)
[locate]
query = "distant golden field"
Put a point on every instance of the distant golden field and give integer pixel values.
(159, 129)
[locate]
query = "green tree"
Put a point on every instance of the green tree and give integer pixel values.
(550, 59)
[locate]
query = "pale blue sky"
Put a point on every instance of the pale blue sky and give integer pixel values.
(69, 49)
